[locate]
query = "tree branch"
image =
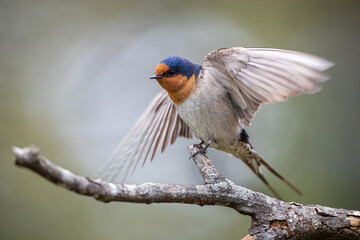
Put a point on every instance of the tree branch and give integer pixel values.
(271, 218)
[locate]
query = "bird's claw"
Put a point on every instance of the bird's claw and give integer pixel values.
(198, 145)
(202, 150)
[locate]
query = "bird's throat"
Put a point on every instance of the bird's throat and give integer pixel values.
(179, 87)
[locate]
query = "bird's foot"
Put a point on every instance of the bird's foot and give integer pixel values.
(199, 145)
(202, 150)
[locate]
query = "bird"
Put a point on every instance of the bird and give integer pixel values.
(213, 103)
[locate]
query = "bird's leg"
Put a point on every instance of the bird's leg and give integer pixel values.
(202, 150)
(200, 144)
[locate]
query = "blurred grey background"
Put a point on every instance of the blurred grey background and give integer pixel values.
(74, 77)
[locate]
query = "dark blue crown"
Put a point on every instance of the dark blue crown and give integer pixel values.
(182, 66)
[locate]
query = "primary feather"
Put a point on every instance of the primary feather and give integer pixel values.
(158, 126)
(255, 76)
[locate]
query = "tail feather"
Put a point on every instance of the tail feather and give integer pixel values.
(273, 171)
(254, 161)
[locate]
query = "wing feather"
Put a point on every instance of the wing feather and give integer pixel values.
(158, 126)
(255, 76)
(169, 128)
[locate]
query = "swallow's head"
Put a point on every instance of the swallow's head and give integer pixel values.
(177, 76)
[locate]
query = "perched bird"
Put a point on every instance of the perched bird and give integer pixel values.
(213, 101)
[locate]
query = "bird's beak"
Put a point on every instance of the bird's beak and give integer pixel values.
(155, 77)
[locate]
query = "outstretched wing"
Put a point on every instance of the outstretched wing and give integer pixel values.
(158, 126)
(255, 76)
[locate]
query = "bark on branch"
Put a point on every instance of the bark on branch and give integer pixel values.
(271, 218)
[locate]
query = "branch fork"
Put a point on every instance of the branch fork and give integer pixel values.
(271, 218)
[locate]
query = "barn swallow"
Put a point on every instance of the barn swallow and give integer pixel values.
(212, 102)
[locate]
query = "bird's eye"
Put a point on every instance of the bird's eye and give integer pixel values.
(171, 72)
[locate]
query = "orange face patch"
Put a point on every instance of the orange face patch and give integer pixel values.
(179, 87)
(172, 84)
(161, 68)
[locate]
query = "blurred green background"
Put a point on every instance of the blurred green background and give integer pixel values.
(74, 77)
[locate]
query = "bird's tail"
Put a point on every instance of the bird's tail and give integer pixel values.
(254, 161)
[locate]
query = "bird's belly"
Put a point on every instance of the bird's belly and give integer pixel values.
(210, 119)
